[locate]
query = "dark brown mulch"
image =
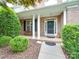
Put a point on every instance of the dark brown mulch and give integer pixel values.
(31, 53)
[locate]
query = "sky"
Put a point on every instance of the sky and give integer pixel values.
(50, 2)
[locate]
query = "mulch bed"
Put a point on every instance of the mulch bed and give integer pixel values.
(31, 53)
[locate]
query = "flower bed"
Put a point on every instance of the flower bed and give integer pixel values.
(31, 53)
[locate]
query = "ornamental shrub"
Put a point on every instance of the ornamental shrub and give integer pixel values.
(4, 40)
(9, 22)
(19, 43)
(70, 37)
(76, 50)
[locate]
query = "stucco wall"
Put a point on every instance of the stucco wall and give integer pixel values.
(42, 26)
(73, 15)
(60, 24)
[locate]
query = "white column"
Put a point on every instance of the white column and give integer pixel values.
(64, 17)
(33, 27)
(56, 24)
(38, 27)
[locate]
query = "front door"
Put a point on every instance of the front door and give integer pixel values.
(50, 28)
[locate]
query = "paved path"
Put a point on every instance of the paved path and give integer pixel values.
(51, 52)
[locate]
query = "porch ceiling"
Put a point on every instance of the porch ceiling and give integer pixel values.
(47, 11)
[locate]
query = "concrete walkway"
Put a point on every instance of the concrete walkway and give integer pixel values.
(51, 52)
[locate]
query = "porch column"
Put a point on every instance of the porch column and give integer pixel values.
(33, 27)
(64, 17)
(38, 27)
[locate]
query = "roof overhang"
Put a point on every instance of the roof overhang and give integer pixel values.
(47, 11)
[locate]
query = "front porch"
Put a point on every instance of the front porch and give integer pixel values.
(47, 39)
(38, 26)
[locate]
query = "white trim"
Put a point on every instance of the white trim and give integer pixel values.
(38, 27)
(33, 27)
(72, 6)
(56, 27)
(45, 26)
(64, 17)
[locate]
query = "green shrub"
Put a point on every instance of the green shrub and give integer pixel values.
(19, 43)
(9, 23)
(76, 47)
(4, 40)
(69, 36)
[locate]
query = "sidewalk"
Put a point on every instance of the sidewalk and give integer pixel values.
(51, 52)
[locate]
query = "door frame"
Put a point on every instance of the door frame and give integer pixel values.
(55, 28)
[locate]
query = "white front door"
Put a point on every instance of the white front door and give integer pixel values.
(50, 28)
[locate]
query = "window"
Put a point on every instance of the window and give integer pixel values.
(28, 25)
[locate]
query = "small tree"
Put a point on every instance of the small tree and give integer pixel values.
(9, 22)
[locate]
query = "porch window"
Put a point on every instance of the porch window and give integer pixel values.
(28, 26)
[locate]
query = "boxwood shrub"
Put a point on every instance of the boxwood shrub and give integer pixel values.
(71, 39)
(4, 40)
(19, 43)
(9, 22)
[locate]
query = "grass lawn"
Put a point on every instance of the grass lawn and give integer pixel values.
(31, 53)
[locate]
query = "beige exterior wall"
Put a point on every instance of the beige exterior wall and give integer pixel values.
(60, 24)
(42, 27)
(73, 15)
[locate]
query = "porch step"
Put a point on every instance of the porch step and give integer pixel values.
(47, 39)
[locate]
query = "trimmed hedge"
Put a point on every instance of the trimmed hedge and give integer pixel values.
(4, 40)
(19, 43)
(71, 39)
(9, 22)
